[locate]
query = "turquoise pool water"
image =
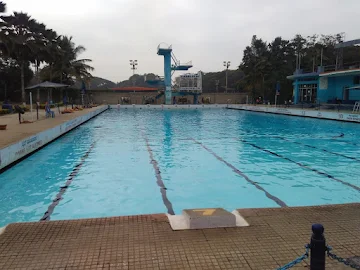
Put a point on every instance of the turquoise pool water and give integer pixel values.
(127, 162)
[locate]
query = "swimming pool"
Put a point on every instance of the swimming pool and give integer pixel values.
(133, 161)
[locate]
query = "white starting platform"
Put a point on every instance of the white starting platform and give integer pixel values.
(205, 218)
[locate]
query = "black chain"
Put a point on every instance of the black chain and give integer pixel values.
(342, 260)
(297, 260)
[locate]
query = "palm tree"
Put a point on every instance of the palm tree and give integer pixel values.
(46, 51)
(66, 67)
(19, 41)
(2, 7)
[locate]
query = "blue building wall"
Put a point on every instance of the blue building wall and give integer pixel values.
(329, 88)
(354, 95)
(335, 88)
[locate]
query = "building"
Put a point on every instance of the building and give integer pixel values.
(189, 82)
(328, 84)
(129, 89)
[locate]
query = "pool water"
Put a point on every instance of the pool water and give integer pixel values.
(127, 162)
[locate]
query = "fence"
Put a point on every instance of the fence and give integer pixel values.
(318, 251)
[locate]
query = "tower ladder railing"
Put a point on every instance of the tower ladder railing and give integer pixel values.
(356, 108)
(177, 62)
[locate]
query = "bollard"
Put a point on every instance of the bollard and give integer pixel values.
(317, 248)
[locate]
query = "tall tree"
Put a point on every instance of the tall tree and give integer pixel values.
(2, 7)
(20, 41)
(66, 67)
(256, 66)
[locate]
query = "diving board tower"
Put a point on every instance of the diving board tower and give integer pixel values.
(169, 69)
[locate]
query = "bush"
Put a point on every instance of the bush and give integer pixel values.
(26, 108)
(42, 106)
(4, 111)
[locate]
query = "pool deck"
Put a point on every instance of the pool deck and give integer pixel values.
(275, 237)
(16, 132)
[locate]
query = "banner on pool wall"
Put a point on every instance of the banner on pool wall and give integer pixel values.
(22, 148)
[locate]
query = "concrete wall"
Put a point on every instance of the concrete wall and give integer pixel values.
(111, 97)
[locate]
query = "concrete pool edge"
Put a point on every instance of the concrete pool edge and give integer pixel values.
(147, 241)
(243, 213)
(16, 152)
(168, 107)
(337, 116)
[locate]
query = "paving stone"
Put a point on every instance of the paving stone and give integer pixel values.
(275, 237)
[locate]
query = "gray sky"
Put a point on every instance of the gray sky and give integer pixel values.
(204, 31)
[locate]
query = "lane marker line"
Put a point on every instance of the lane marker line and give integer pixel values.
(159, 180)
(302, 165)
(59, 196)
(317, 148)
(237, 171)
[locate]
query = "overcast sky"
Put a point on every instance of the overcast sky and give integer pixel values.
(204, 31)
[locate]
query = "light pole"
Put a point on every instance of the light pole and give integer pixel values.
(217, 88)
(133, 64)
(226, 65)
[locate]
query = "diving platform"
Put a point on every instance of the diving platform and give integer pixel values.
(193, 82)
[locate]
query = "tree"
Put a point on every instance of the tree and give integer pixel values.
(2, 7)
(256, 66)
(9, 78)
(64, 67)
(19, 39)
(265, 65)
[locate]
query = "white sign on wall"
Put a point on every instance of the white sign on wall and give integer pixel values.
(323, 83)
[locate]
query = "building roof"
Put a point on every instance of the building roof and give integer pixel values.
(135, 89)
(340, 73)
(47, 85)
(302, 75)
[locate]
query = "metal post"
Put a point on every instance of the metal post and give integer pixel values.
(217, 89)
(31, 109)
(226, 65)
(297, 61)
(321, 57)
(37, 110)
(313, 70)
(317, 248)
(226, 87)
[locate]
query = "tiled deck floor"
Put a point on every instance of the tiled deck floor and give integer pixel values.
(274, 237)
(16, 132)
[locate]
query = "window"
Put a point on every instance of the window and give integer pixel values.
(308, 92)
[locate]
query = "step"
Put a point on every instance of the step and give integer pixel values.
(205, 218)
